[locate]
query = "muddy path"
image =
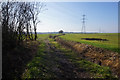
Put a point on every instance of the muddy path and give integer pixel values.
(64, 69)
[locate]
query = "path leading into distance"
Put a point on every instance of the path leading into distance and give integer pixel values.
(52, 62)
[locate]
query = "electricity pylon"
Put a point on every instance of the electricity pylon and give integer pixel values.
(83, 24)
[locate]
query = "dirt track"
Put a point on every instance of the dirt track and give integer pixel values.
(64, 69)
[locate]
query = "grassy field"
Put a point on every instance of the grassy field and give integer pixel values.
(111, 44)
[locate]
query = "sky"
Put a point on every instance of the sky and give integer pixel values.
(67, 16)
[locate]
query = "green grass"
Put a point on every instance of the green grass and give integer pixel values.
(42, 36)
(111, 44)
(39, 67)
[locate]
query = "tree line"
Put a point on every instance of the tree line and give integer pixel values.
(19, 22)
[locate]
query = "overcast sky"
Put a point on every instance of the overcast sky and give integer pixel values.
(100, 16)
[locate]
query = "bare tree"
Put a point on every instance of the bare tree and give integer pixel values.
(36, 9)
(18, 19)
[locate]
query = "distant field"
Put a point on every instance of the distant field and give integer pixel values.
(45, 35)
(42, 36)
(111, 44)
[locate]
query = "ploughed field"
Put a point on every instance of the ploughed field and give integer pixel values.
(107, 41)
